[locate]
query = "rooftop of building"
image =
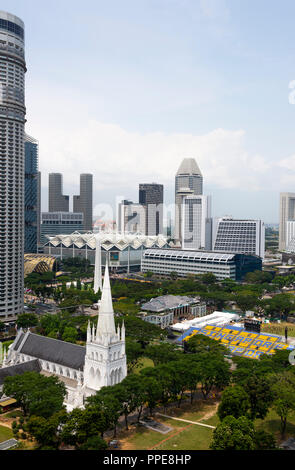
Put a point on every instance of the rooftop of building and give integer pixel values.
(189, 166)
(167, 302)
(108, 240)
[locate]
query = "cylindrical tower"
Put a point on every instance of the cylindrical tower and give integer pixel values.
(12, 121)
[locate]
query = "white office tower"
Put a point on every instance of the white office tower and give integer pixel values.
(239, 236)
(131, 217)
(188, 178)
(290, 235)
(287, 213)
(196, 223)
(105, 360)
(12, 158)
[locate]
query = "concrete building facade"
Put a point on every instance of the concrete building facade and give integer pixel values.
(196, 223)
(12, 163)
(57, 202)
(84, 202)
(188, 179)
(239, 236)
(287, 212)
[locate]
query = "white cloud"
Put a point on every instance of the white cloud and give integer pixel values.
(120, 159)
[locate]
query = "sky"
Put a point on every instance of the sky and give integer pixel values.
(126, 89)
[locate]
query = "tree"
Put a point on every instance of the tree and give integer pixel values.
(133, 352)
(83, 424)
(234, 434)
(208, 278)
(258, 389)
(25, 320)
(163, 353)
(106, 400)
(246, 302)
(234, 402)
(134, 395)
(264, 440)
(152, 392)
(36, 394)
(214, 372)
(284, 393)
(94, 443)
(203, 344)
(46, 431)
(70, 334)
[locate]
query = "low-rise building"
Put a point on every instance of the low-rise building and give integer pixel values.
(165, 309)
(223, 265)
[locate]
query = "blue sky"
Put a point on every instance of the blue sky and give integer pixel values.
(126, 89)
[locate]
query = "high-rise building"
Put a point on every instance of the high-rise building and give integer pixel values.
(151, 197)
(60, 223)
(57, 201)
(32, 195)
(131, 217)
(12, 163)
(196, 223)
(84, 202)
(287, 212)
(239, 236)
(188, 177)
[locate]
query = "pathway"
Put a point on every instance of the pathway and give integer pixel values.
(187, 421)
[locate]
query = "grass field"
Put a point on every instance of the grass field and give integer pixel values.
(5, 433)
(183, 436)
(278, 328)
(143, 362)
(272, 424)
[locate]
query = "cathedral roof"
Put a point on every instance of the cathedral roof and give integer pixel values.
(30, 366)
(53, 350)
(189, 166)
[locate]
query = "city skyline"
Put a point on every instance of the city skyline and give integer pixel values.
(215, 116)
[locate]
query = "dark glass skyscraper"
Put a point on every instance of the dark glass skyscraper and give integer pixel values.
(151, 196)
(32, 194)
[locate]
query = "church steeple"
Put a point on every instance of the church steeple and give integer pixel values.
(106, 322)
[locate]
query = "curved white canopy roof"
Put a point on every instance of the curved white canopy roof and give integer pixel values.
(108, 240)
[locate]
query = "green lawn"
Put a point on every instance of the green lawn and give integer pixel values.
(143, 362)
(5, 433)
(272, 424)
(183, 436)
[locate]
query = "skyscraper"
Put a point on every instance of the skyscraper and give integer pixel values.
(196, 223)
(287, 212)
(84, 202)
(12, 162)
(57, 201)
(32, 195)
(151, 197)
(188, 177)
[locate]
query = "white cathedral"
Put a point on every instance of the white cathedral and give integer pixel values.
(84, 370)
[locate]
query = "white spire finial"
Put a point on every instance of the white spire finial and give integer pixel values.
(106, 322)
(97, 267)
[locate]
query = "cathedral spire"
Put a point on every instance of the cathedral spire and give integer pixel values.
(106, 322)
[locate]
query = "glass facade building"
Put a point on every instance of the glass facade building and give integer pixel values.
(12, 164)
(32, 195)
